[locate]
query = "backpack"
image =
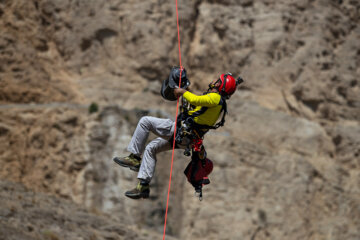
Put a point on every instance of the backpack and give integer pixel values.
(197, 172)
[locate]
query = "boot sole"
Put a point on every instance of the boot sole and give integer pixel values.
(136, 169)
(143, 195)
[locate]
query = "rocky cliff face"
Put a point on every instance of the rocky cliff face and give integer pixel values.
(29, 215)
(286, 163)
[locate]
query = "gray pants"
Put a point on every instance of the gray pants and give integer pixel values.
(164, 129)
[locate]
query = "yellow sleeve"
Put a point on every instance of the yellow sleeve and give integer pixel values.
(208, 100)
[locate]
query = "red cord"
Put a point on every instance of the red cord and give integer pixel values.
(177, 108)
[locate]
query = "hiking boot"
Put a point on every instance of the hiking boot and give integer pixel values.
(132, 161)
(141, 191)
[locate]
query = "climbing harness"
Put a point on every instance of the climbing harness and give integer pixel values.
(189, 132)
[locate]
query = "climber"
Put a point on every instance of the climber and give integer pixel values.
(207, 110)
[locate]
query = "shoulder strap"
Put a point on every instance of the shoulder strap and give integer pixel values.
(222, 102)
(222, 121)
(224, 110)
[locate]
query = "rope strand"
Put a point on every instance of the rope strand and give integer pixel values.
(175, 128)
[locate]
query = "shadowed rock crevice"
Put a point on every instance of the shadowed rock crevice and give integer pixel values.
(105, 33)
(195, 19)
(100, 35)
(85, 44)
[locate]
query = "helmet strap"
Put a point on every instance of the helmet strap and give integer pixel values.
(212, 86)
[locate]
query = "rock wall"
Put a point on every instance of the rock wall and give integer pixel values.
(29, 215)
(287, 161)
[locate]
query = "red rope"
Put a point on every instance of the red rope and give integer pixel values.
(177, 109)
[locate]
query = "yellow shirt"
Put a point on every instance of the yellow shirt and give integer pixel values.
(207, 110)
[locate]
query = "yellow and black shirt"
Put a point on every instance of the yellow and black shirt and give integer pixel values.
(207, 107)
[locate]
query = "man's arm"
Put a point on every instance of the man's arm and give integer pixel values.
(178, 92)
(207, 100)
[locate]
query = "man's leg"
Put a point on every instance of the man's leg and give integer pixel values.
(159, 126)
(147, 168)
(148, 164)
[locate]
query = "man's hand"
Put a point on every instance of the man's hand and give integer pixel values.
(178, 92)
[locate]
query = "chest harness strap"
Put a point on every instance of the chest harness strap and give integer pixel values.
(191, 133)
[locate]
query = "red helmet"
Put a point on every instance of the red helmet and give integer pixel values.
(227, 87)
